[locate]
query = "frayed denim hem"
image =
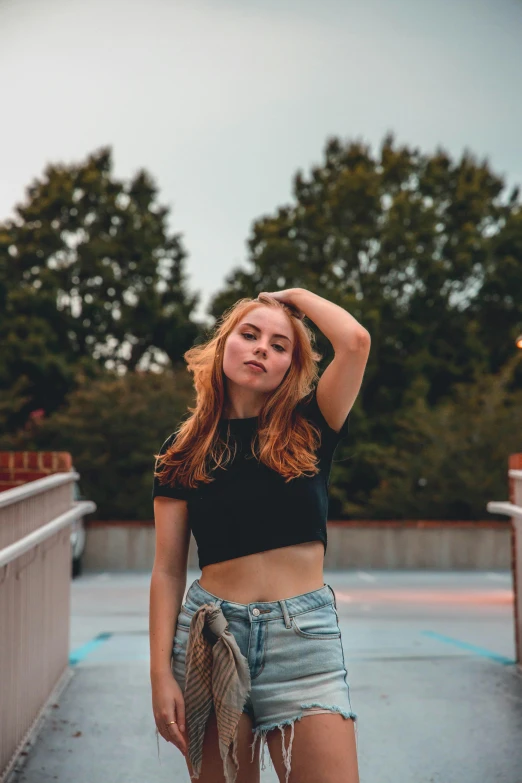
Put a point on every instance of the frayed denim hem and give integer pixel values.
(262, 731)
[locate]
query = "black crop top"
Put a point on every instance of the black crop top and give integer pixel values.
(249, 508)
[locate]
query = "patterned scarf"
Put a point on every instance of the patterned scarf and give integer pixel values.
(216, 673)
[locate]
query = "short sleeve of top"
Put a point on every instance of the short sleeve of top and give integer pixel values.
(329, 437)
(308, 407)
(166, 490)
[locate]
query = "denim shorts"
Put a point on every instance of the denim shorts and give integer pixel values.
(294, 652)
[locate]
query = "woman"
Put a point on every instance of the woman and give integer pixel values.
(256, 646)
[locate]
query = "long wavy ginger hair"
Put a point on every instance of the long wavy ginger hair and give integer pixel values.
(285, 440)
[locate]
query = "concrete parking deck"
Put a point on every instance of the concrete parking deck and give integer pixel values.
(429, 658)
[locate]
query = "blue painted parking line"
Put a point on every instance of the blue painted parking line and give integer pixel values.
(471, 647)
(82, 652)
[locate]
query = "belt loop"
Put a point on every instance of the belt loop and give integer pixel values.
(335, 600)
(286, 616)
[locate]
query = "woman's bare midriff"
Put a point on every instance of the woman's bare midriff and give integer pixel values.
(267, 576)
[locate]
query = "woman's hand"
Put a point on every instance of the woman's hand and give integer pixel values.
(286, 297)
(168, 704)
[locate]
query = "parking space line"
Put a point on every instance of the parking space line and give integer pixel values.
(82, 652)
(471, 647)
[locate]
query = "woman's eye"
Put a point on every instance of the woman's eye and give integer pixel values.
(249, 334)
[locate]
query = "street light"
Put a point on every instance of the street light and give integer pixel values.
(519, 341)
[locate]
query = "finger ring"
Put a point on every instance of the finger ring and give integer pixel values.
(172, 721)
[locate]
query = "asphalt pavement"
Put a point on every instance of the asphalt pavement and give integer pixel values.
(430, 660)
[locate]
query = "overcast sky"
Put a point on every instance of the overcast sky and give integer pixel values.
(222, 101)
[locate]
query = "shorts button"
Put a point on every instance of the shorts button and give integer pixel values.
(255, 611)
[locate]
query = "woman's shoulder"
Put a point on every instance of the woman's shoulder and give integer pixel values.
(167, 443)
(309, 407)
(167, 490)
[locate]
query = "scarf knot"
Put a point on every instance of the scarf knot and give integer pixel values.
(217, 675)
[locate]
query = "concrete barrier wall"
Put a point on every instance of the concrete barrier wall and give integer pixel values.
(123, 546)
(413, 545)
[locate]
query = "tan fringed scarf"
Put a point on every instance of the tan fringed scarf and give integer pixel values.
(216, 672)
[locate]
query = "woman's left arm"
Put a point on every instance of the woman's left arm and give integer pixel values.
(342, 330)
(341, 381)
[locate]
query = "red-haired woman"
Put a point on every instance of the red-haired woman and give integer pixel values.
(256, 646)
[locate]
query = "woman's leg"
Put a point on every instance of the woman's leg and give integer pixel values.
(212, 763)
(323, 748)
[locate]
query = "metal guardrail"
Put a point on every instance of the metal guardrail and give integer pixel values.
(10, 553)
(32, 488)
(503, 507)
(35, 578)
(514, 510)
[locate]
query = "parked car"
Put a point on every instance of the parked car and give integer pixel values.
(77, 536)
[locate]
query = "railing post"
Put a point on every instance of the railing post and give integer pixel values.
(513, 509)
(515, 497)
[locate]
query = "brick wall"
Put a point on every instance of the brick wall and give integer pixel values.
(19, 467)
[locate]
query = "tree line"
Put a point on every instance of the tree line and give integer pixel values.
(424, 250)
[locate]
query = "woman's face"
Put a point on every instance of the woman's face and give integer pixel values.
(264, 335)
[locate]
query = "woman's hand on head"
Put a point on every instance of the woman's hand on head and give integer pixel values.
(168, 704)
(286, 298)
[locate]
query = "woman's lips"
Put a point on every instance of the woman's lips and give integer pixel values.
(254, 367)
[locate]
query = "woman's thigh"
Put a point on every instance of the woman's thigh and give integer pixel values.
(323, 747)
(300, 672)
(212, 763)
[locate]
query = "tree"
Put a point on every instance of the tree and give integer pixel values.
(463, 443)
(404, 241)
(498, 307)
(112, 427)
(425, 252)
(89, 277)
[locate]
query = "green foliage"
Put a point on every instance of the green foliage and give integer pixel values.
(426, 253)
(447, 461)
(409, 244)
(113, 427)
(423, 250)
(89, 278)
